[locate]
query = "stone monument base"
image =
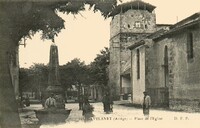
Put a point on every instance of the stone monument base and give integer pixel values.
(52, 116)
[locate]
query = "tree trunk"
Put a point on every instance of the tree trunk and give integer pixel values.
(9, 117)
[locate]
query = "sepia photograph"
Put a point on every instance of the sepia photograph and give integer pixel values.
(99, 63)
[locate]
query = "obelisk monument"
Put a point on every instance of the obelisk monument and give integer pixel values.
(59, 113)
(54, 85)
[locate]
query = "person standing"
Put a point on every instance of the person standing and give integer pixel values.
(50, 102)
(111, 103)
(107, 103)
(27, 101)
(80, 101)
(87, 110)
(104, 103)
(146, 104)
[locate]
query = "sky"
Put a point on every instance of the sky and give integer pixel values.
(87, 33)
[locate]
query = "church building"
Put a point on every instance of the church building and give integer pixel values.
(168, 65)
(161, 59)
(131, 21)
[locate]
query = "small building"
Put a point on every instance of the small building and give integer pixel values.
(96, 93)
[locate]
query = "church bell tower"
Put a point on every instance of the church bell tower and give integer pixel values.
(131, 21)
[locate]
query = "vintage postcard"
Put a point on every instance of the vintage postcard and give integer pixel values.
(99, 63)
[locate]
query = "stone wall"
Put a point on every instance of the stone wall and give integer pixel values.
(184, 82)
(155, 64)
(115, 26)
(125, 29)
(186, 73)
(185, 105)
(114, 69)
(155, 72)
(138, 21)
(159, 96)
(138, 85)
(133, 21)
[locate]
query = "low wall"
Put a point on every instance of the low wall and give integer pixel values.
(159, 97)
(185, 105)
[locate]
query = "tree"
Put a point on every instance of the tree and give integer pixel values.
(34, 79)
(74, 72)
(99, 69)
(23, 80)
(20, 19)
(38, 78)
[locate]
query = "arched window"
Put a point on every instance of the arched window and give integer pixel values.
(138, 63)
(166, 56)
(190, 53)
(166, 68)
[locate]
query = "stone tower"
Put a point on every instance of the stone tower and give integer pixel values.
(131, 22)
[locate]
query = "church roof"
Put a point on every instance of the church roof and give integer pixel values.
(137, 44)
(190, 21)
(136, 4)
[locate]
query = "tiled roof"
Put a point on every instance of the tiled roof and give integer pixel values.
(188, 22)
(136, 4)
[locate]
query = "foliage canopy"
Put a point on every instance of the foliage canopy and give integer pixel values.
(28, 17)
